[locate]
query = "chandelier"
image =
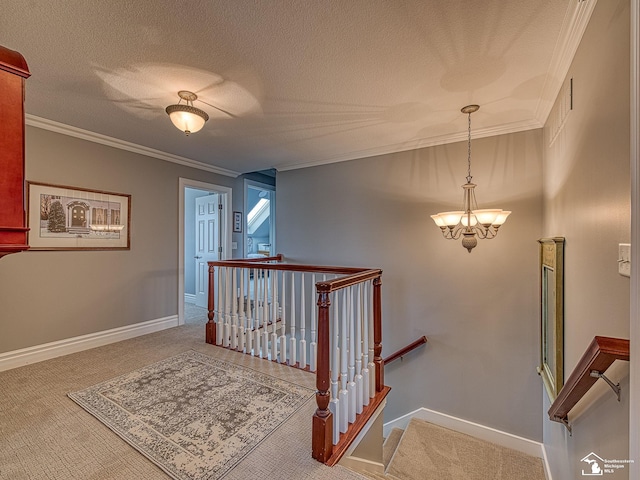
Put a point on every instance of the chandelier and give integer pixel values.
(470, 223)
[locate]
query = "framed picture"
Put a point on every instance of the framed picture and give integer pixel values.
(551, 367)
(237, 222)
(70, 218)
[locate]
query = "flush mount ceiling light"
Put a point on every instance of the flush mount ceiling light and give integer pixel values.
(470, 223)
(185, 116)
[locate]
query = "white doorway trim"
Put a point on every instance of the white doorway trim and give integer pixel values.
(226, 222)
(634, 321)
(272, 212)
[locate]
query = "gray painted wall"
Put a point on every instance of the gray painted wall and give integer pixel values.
(49, 296)
(587, 200)
(479, 310)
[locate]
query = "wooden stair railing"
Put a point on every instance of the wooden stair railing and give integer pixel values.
(322, 434)
(403, 351)
(598, 357)
(353, 369)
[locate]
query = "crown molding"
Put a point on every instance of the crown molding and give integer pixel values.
(76, 132)
(416, 144)
(573, 27)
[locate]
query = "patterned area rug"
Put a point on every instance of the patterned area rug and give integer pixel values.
(194, 416)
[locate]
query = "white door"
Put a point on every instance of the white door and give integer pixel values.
(207, 235)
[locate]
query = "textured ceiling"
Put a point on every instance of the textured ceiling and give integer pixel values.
(307, 82)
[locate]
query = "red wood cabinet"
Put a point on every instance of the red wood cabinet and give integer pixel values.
(13, 230)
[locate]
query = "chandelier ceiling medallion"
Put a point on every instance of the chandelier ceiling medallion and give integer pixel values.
(470, 223)
(185, 116)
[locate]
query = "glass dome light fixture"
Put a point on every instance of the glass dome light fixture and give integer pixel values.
(185, 116)
(470, 223)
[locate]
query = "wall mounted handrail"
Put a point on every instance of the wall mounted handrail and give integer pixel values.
(598, 357)
(403, 351)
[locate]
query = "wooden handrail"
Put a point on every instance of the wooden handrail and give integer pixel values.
(348, 281)
(278, 258)
(599, 356)
(403, 351)
(290, 267)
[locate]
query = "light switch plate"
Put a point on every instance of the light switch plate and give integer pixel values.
(624, 259)
(234, 245)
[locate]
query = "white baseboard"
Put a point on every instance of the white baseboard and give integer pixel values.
(189, 298)
(47, 351)
(524, 445)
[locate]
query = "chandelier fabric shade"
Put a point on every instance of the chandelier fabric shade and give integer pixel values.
(470, 223)
(186, 117)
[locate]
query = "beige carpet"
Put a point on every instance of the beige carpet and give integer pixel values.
(45, 435)
(194, 314)
(427, 451)
(390, 445)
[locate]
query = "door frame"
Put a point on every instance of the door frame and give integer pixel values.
(272, 213)
(225, 223)
(634, 321)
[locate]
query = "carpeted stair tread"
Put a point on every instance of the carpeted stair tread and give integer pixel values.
(427, 451)
(379, 476)
(390, 445)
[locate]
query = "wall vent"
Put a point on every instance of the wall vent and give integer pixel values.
(560, 112)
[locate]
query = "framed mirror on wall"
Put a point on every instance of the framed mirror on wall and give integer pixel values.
(551, 368)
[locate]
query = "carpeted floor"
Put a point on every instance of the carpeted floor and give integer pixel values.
(45, 435)
(194, 314)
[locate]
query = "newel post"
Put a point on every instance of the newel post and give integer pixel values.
(377, 333)
(322, 434)
(211, 326)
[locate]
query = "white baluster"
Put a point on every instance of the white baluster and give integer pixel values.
(257, 312)
(303, 319)
(227, 307)
(249, 332)
(334, 404)
(292, 338)
(274, 314)
(358, 324)
(219, 309)
(264, 351)
(372, 366)
(313, 346)
(234, 309)
(351, 371)
(344, 393)
(283, 331)
(242, 319)
(365, 346)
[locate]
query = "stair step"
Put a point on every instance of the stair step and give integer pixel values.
(428, 451)
(390, 445)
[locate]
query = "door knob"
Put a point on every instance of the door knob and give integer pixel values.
(197, 257)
